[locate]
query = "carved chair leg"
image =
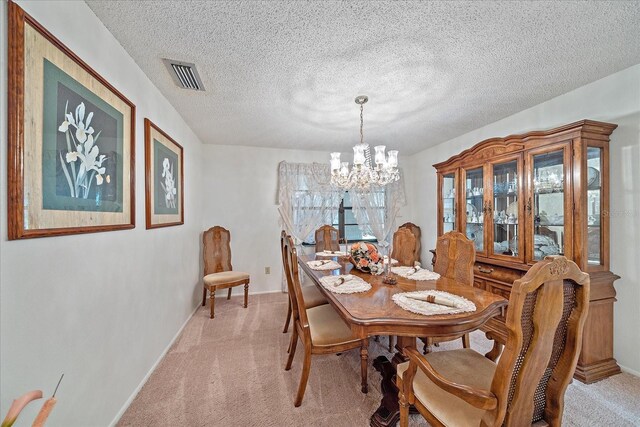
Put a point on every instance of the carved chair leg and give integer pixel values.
(404, 409)
(204, 295)
(466, 342)
(364, 357)
(212, 301)
(292, 348)
(246, 295)
(286, 323)
(304, 378)
(391, 343)
(229, 294)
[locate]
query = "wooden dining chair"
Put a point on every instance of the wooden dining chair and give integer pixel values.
(218, 272)
(415, 230)
(404, 247)
(327, 239)
(455, 256)
(406, 250)
(321, 329)
(312, 295)
(545, 320)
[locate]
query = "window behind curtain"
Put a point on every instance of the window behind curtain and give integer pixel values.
(345, 222)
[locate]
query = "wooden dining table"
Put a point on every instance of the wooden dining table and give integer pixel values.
(374, 313)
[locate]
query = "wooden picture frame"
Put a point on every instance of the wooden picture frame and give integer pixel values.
(164, 178)
(71, 140)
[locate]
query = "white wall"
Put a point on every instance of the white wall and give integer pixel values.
(240, 194)
(99, 307)
(614, 99)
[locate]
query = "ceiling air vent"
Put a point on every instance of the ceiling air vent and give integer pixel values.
(184, 74)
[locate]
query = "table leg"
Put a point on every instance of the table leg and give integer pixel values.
(388, 413)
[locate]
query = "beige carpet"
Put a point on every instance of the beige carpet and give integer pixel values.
(230, 372)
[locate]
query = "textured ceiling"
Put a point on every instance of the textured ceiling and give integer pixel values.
(285, 73)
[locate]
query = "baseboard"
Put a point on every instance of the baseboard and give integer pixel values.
(275, 291)
(153, 368)
(630, 371)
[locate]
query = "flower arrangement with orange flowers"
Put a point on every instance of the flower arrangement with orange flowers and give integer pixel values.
(365, 257)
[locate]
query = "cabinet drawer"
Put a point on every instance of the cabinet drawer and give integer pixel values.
(496, 273)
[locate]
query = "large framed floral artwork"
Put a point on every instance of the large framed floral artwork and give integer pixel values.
(70, 140)
(164, 196)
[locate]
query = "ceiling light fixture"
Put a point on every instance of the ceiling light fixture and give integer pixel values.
(363, 175)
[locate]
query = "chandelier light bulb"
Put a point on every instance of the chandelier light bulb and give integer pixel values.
(393, 158)
(380, 156)
(358, 154)
(335, 161)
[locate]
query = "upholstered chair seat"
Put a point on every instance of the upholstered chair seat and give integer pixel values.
(224, 277)
(463, 366)
(327, 328)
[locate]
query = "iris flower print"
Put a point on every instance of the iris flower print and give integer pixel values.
(82, 162)
(169, 185)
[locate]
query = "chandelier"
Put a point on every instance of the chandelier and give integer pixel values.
(363, 174)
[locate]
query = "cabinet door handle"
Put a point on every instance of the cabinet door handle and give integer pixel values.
(485, 270)
(529, 205)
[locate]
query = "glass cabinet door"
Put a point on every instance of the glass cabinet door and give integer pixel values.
(448, 191)
(594, 205)
(474, 209)
(547, 204)
(506, 210)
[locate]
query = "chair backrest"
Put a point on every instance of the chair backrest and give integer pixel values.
(455, 256)
(404, 247)
(217, 250)
(545, 320)
(327, 239)
(287, 272)
(416, 232)
(290, 257)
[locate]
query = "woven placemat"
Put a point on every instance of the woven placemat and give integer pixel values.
(404, 300)
(328, 264)
(345, 284)
(415, 273)
(332, 253)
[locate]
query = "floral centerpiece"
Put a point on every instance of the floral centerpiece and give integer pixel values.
(365, 257)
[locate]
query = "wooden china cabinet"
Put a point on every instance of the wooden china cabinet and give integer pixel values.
(526, 196)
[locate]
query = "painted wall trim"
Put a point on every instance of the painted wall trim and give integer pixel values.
(630, 371)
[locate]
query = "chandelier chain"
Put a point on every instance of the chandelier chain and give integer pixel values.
(361, 124)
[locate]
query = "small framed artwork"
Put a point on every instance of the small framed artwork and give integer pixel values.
(70, 140)
(164, 174)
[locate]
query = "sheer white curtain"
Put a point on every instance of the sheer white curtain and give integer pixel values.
(306, 199)
(376, 210)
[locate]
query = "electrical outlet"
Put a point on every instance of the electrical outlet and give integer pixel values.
(267, 270)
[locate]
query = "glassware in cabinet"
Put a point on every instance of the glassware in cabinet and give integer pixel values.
(506, 209)
(474, 207)
(549, 199)
(448, 191)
